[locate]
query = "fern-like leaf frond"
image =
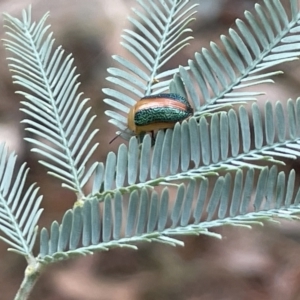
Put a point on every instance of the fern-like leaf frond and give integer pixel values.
(150, 216)
(19, 211)
(161, 25)
(200, 148)
(58, 120)
(218, 78)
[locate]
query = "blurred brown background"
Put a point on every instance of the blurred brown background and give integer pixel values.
(262, 263)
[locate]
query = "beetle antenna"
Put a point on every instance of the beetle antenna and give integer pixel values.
(115, 137)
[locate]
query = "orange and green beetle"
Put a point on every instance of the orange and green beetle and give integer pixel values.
(159, 111)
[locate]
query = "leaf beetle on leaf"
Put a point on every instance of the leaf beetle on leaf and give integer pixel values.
(159, 111)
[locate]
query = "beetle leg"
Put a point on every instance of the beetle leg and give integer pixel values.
(152, 138)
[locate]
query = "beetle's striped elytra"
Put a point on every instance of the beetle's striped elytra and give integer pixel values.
(159, 111)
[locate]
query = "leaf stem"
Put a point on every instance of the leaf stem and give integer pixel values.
(31, 275)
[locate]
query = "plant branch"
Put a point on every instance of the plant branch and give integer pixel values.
(32, 273)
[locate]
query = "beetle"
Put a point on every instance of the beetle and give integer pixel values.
(154, 112)
(159, 111)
